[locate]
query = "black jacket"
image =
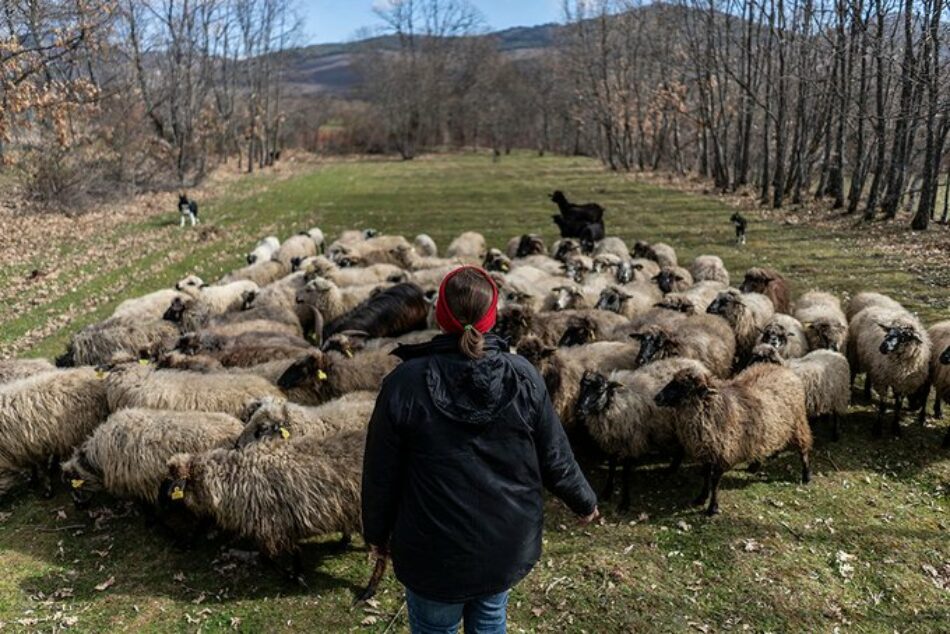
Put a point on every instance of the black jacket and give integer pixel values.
(456, 457)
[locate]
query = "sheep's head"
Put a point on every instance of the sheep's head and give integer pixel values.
(534, 350)
(175, 485)
(346, 343)
(251, 258)
(567, 248)
(176, 310)
(776, 335)
(83, 478)
(530, 245)
(727, 305)
(607, 262)
(612, 298)
(642, 249)
(574, 270)
(513, 322)
(558, 197)
(655, 344)
(269, 420)
(403, 255)
(765, 353)
(595, 395)
(758, 279)
(567, 297)
(315, 293)
(495, 260)
(686, 385)
(296, 262)
(313, 369)
(898, 336)
(824, 334)
(579, 332)
(190, 283)
(671, 279)
(945, 356)
(370, 233)
(677, 303)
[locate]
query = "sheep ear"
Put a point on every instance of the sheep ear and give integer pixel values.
(614, 385)
(250, 408)
(639, 336)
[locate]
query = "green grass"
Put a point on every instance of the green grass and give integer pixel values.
(776, 560)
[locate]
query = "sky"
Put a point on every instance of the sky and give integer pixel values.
(338, 20)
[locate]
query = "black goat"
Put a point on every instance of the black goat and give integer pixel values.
(588, 212)
(392, 312)
(585, 222)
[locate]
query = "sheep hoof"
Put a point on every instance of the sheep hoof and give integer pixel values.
(712, 510)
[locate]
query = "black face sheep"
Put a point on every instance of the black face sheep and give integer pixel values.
(637, 270)
(700, 295)
(15, 369)
(629, 300)
(771, 284)
(619, 413)
(747, 314)
(275, 493)
(823, 320)
(747, 419)
(316, 379)
(660, 252)
(126, 456)
(825, 376)
(264, 250)
(43, 417)
(524, 245)
(673, 279)
(495, 260)
(709, 268)
(565, 249)
(786, 335)
(704, 338)
(282, 420)
(377, 250)
(297, 247)
(392, 312)
(893, 348)
(741, 226)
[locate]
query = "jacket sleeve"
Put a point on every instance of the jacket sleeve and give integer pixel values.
(560, 472)
(383, 469)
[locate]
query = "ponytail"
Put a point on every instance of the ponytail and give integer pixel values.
(472, 343)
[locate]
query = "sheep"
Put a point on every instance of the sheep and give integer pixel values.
(673, 279)
(528, 285)
(866, 299)
(628, 300)
(700, 295)
(565, 248)
(263, 250)
(619, 413)
(614, 246)
(709, 268)
(219, 299)
(392, 312)
(297, 248)
(349, 238)
(747, 314)
(637, 270)
(269, 313)
(261, 273)
(826, 326)
(563, 368)
(469, 245)
(142, 386)
(571, 297)
(516, 321)
(495, 260)
(785, 334)
(771, 284)
(275, 493)
(608, 263)
(280, 420)
(705, 338)
(407, 258)
(379, 250)
(524, 245)
(318, 378)
(150, 306)
(893, 348)
(16, 369)
(42, 417)
(746, 419)
(939, 335)
(661, 253)
(425, 246)
(97, 343)
(126, 456)
(316, 234)
(825, 375)
(244, 350)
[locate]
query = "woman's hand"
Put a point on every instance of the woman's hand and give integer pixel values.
(584, 521)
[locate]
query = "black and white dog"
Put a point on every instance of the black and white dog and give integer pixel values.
(187, 210)
(741, 225)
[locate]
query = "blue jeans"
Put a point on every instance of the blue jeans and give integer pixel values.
(487, 615)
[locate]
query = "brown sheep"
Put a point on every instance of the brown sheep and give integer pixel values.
(771, 284)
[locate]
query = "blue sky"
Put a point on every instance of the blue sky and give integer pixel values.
(338, 20)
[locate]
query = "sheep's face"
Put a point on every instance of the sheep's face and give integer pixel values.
(176, 310)
(579, 332)
(189, 282)
(765, 353)
(370, 233)
(346, 343)
(512, 323)
(625, 272)
(534, 350)
(174, 488)
(566, 248)
(945, 356)
(726, 305)
(898, 337)
(669, 280)
(686, 385)
(566, 297)
(824, 335)
(596, 393)
(311, 370)
(612, 299)
(756, 281)
(269, 422)
(529, 245)
(655, 344)
(495, 260)
(314, 292)
(247, 299)
(677, 303)
(776, 335)
(82, 478)
(295, 263)
(349, 261)
(643, 249)
(251, 258)
(607, 262)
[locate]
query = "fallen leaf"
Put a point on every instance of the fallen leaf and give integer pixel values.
(105, 585)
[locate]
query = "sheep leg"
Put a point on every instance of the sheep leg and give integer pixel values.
(609, 485)
(716, 476)
(677, 460)
(625, 485)
(879, 422)
(707, 476)
(45, 476)
(938, 407)
(867, 388)
(896, 423)
(806, 468)
(835, 427)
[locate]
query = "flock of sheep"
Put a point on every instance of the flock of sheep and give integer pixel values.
(245, 402)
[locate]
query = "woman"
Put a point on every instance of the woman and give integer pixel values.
(462, 440)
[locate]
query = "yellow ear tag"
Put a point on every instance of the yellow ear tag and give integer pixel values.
(321, 375)
(177, 493)
(284, 433)
(143, 361)
(77, 484)
(349, 354)
(101, 374)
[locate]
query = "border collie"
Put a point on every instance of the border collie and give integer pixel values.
(741, 225)
(187, 210)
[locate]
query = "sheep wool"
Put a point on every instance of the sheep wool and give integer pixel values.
(16, 369)
(709, 268)
(281, 420)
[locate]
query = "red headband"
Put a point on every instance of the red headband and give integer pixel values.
(449, 322)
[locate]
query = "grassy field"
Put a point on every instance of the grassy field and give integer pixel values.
(864, 547)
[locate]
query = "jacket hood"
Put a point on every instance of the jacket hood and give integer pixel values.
(466, 390)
